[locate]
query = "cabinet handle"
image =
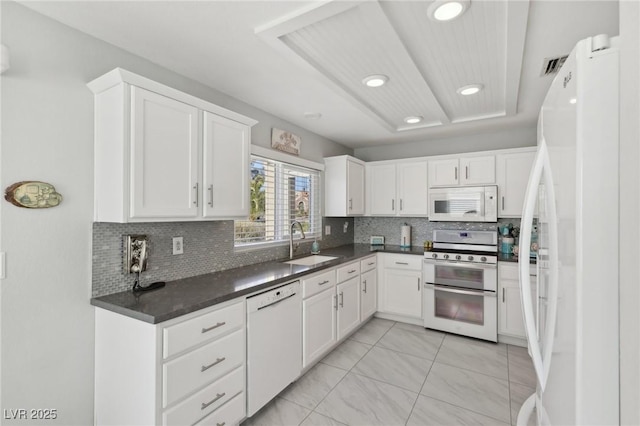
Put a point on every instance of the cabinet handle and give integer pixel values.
(400, 204)
(350, 203)
(218, 396)
(206, 367)
(503, 295)
(365, 285)
(503, 202)
(466, 172)
(211, 195)
(351, 272)
(342, 299)
(402, 263)
(372, 263)
(323, 282)
(455, 172)
(221, 424)
(418, 284)
(220, 324)
(195, 188)
(393, 204)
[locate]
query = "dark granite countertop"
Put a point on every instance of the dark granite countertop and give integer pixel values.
(187, 295)
(502, 257)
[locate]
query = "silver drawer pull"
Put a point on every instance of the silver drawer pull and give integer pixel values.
(221, 424)
(218, 396)
(220, 324)
(372, 263)
(351, 272)
(402, 263)
(206, 367)
(324, 282)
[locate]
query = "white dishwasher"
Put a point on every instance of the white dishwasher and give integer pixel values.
(274, 343)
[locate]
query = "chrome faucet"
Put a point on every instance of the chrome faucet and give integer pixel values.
(291, 237)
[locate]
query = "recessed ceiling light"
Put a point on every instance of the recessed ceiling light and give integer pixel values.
(375, 80)
(312, 115)
(414, 119)
(470, 89)
(446, 10)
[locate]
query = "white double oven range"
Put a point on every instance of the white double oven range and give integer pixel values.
(460, 283)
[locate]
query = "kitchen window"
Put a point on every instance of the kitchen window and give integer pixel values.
(280, 193)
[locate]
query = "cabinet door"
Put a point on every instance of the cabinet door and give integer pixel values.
(401, 293)
(382, 189)
(318, 325)
(164, 157)
(478, 170)
(444, 172)
(412, 189)
(511, 321)
(512, 172)
(225, 192)
(368, 284)
(348, 306)
(355, 188)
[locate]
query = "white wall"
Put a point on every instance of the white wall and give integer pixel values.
(629, 213)
(47, 323)
(512, 138)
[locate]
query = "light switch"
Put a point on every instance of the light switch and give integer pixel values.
(178, 246)
(3, 265)
(327, 230)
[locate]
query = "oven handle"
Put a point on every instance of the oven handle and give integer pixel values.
(462, 264)
(485, 293)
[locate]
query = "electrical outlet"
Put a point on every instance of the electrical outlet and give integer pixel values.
(345, 227)
(327, 230)
(178, 245)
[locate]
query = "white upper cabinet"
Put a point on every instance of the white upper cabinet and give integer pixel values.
(344, 186)
(397, 188)
(412, 189)
(163, 155)
(382, 189)
(512, 172)
(471, 170)
(226, 167)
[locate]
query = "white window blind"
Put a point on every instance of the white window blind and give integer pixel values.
(280, 194)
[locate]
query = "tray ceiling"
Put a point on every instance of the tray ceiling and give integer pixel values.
(426, 60)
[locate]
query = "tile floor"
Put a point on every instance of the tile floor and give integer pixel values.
(390, 373)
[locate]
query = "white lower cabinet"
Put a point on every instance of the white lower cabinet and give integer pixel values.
(318, 325)
(369, 287)
(182, 371)
(400, 285)
(510, 317)
(348, 294)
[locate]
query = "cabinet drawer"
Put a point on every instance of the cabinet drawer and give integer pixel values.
(510, 271)
(316, 283)
(206, 401)
(403, 261)
(368, 264)
(200, 329)
(228, 415)
(348, 271)
(190, 371)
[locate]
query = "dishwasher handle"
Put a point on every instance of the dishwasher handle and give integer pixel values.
(277, 301)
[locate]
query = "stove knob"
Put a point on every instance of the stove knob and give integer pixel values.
(470, 258)
(446, 256)
(484, 259)
(458, 257)
(434, 255)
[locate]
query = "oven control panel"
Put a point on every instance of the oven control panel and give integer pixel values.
(454, 257)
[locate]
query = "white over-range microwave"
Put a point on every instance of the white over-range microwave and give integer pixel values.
(464, 204)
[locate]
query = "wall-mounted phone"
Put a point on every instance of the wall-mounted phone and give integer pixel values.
(136, 253)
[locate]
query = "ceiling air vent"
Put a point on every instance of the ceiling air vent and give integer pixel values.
(552, 65)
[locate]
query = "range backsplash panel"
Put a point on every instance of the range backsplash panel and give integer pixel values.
(208, 247)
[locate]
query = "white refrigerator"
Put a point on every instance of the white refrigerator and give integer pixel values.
(571, 314)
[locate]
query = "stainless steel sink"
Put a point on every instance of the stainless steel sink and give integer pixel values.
(311, 260)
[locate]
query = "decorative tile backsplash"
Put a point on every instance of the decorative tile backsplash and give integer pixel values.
(421, 228)
(208, 247)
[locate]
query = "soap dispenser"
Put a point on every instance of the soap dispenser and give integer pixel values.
(315, 247)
